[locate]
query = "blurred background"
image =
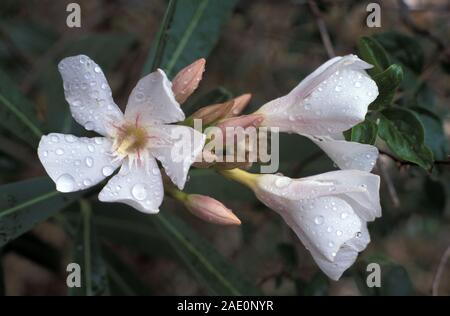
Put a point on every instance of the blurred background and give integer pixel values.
(259, 46)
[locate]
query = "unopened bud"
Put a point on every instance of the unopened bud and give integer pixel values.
(239, 105)
(187, 80)
(214, 112)
(210, 210)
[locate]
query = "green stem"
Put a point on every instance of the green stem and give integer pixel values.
(28, 203)
(246, 178)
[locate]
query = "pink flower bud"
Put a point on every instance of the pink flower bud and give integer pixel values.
(210, 210)
(239, 104)
(187, 80)
(214, 112)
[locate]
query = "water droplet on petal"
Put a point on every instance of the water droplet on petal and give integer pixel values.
(70, 138)
(330, 244)
(339, 233)
(89, 125)
(89, 161)
(357, 84)
(344, 215)
(45, 153)
(91, 148)
(87, 182)
(54, 138)
(318, 220)
(282, 182)
(338, 88)
(107, 171)
(65, 183)
(139, 192)
(97, 69)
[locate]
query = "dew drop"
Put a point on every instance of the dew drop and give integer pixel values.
(65, 183)
(89, 126)
(97, 69)
(91, 148)
(139, 192)
(54, 138)
(98, 140)
(331, 244)
(59, 151)
(87, 182)
(76, 103)
(339, 233)
(107, 171)
(89, 161)
(282, 182)
(45, 153)
(344, 215)
(70, 138)
(338, 88)
(357, 84)
(318, 220)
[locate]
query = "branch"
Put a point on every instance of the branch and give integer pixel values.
(322, 28)
(409, 163)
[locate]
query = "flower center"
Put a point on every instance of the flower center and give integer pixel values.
(131, 139)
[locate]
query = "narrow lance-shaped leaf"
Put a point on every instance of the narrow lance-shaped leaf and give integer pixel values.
(194, 31)
(17, 114)
(87, 254)
(203, 260)
(403, 132)
(27, 203)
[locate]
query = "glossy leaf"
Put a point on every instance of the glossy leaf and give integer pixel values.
(364, 132)
(403, 132)
(404, 49)
(25, 204)
(387, 81)
(372, 52)
(193, 32)
(435, 137)
(87, 254)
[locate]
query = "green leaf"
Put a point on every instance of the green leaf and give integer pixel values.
(365, 132)
(372, 52)
(403, 132)
(159, 234)
(387, 82)
(25, 204)
(404, 49)
(435, 137)
(193, 32)
(17, 114)
(87, 254)
(122, 280)
(204, 261)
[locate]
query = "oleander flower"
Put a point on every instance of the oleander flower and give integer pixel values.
(131, 140)
(331, 100)
(328, 212)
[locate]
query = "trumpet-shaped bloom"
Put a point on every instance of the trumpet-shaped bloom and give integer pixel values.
(332, 99)
(328, 212)
(131, 140)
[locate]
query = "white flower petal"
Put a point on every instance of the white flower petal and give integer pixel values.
(366, 202)
(176, 147)
(332, 99)
(347, 155)
(345, 257)
(140, 187)
(88, 94)
(153, 101)
(328, 212)
(75, 163)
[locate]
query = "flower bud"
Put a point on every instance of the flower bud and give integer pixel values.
(214, 112)
(187, 80)
(239, 105)
(210, 210)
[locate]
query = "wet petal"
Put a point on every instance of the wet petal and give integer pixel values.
(176, 147)
(76, 163)
(139, 187)
(153, 101)
(347, 155)
(88, 94)
(332, 99)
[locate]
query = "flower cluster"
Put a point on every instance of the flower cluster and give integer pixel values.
(328, 212)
